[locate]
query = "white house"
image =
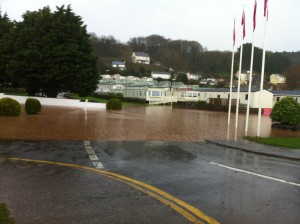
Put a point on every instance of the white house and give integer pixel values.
(106, 77)
(163, 75)
(244, 77)
(119, 64)
(109, 86)
(140, 58)
(277, 79)
(209, 81)
(187, 95)
(223, 93)
(192, 76)
(279, 94)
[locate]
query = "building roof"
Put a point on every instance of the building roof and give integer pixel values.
(286, 92)
(141, 54)
(219, 90)
(118, 62)
(161, 73)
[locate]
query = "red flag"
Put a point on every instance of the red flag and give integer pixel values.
(265, 8)
(244, 24)
(234, 33)
(254, 16)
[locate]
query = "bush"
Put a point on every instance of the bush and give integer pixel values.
(286, 111)
(32, 106)
(114, 104)
(9, 107)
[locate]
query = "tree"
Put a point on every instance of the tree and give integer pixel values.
(5, 27)
(53, 53)
(182, 78)
(293, 77)
(286, 111)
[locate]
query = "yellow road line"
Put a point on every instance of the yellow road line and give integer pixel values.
(146, 188)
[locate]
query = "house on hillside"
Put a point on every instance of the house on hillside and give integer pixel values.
(162, 75)
(192, 76)
(208, 81)
(277, 79)
(140, 58)
(244, 77)
(118, 64)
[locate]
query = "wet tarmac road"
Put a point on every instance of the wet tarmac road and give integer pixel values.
(40, 193)
(189, 171)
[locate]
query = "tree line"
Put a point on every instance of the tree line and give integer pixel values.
(191, 56)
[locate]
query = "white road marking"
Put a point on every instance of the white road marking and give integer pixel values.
(92, 155)
(256, 174)
(90, 151)
(98, 165)
(87, 143)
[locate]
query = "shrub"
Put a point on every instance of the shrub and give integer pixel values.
(286, 111)
(32, 106)
(9, 107)
(114, 104)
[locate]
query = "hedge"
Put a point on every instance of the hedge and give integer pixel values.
(9, 107)
(32, 106)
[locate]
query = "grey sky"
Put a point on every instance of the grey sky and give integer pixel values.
(210, 22)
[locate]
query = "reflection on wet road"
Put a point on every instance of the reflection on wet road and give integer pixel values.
(133, 123)
(250, 191)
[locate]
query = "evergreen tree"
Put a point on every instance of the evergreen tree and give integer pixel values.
(5, 27)
(53, 53)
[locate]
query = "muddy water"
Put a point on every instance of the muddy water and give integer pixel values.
(132, 123)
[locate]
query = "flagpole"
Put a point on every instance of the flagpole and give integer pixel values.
(262, 70)
(251, 70)
(239, 87)
(231, 83)
(240, 70)
(231, 77)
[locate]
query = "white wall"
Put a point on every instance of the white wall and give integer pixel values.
(57, 102)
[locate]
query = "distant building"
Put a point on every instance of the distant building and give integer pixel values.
(244, 77)
(140, 58)
(162, 75)
(277, 79)
(119, 64)
(192, 76)
(208, 81)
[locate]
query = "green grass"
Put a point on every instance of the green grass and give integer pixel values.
(4, 215)
(280, 141)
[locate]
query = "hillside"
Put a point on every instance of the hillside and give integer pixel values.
(184, 56)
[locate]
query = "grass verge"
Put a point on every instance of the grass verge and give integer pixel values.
(280, 141)
(4, 215)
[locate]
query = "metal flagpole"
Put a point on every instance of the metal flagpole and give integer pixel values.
(240, 70)
(231, 83)
(251, 70)
(262, 70)
(239, 87)
(231, 77)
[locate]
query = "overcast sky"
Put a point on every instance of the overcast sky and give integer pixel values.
(210, 22)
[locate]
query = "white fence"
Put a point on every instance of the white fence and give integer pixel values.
(57, 102)
(161, 100)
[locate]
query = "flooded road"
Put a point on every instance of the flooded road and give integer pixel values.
(156, 123)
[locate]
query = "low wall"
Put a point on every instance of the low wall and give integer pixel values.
(57, 102)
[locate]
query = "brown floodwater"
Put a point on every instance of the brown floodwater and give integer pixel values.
(150, 123)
